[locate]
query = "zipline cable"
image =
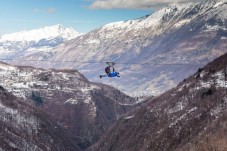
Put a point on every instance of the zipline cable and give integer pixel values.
(100, 62)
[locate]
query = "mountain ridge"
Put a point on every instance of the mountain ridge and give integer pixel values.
(23, 127)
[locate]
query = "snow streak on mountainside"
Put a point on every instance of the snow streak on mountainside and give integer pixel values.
(190, 117)
(83, 108)
(153, 53)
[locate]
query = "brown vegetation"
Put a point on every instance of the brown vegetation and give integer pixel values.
(190, 117)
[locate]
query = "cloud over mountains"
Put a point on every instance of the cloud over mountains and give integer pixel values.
(133, 4)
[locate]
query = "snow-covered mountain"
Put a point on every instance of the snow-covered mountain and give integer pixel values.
(153, 53)
(48, 32)
(38, 40)
(190, 117)
(84, 109)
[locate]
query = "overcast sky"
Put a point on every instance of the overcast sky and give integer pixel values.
(82, 15)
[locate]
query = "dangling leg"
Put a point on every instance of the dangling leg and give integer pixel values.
(102, 76)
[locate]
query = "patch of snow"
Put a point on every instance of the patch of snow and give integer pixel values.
(179, 107)
(213, 28)
(7, 67)
(204, 85)
(94, 41)
(8, 110)
(129, 117)
(218, 4)
(182, 117)
(89, 88)
(87, 100)
(219, 81)
(182, 87)
(192, 109)
(160, 131)
(20, 85)
(216, 112)
(93, 110)
(182, 22)
(202, 74)
(72, 101)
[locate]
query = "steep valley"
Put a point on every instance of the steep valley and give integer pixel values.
(189, 117)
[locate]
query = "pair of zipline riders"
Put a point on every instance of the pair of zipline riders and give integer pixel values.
(109, 72)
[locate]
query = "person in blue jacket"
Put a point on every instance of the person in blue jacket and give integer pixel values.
(109, 73)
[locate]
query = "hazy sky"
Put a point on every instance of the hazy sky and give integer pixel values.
(82, 15)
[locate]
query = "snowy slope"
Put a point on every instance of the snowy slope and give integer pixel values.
(154, 20)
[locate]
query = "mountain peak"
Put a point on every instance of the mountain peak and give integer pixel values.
(47, 32)
(57, 27)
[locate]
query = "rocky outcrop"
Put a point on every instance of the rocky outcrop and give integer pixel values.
(23, 127)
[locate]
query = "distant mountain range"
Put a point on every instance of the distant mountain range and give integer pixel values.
(48, 32)
(153, 53)
(84, 109)
(22, 43)
(190, 117)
